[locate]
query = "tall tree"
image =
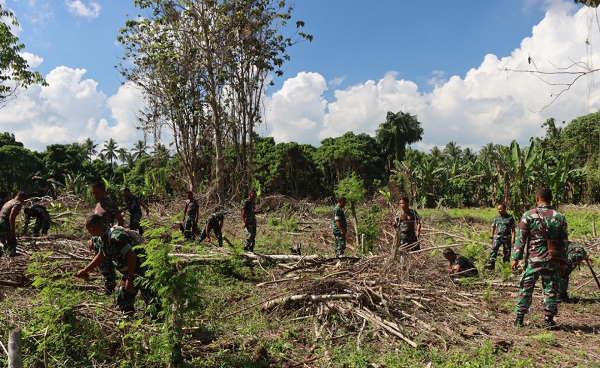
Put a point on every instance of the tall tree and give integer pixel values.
(185, 57)
(399, 130)
(110, 151)
(89, 148)
(14, 69)
(139, 150)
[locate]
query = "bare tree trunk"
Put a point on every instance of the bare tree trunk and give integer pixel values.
(14, 349)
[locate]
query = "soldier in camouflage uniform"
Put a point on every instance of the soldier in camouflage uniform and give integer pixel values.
(42, 219)
(339, 226)
(190, 214)
(109, 212)
(249, 221)
(134, 206)
(408, 226)
(116, 246)
(459, 266)
(8, 217)
(576, 254)
(502, 234)
(536, 228)
(214, 222)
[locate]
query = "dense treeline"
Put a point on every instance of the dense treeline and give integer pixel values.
(565, 159)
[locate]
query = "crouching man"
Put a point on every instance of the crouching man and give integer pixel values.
(117, 246)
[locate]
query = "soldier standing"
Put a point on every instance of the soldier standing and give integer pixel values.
(339, 226)
(249, 221)
(42, 219)
(8, 217)
(109, 212)
(190, 214)
(544, 231)
(134, 206)
(214, 223)
(408, 225)
(502, 234)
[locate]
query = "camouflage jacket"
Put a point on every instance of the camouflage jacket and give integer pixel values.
(504, 226)
(575, 255)
(8, 207)
(215, 219)
(115, 245)
(108, 210)
(534, 227)
(133, 205)
(248, 208)
(339, 215)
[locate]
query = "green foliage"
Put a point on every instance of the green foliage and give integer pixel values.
(398, 130)
(369, 226)
(352, 187)
(14, 69)
(17, 165)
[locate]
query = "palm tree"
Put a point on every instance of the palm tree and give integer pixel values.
(122, 154)
(139, 149)
(89, 148)
(398, 130)
(109, 152)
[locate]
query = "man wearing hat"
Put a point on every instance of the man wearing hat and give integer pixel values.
(459, 266)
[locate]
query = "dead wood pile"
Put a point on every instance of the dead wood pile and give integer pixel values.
(406, 297)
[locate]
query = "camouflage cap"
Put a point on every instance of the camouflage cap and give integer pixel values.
(448, 251)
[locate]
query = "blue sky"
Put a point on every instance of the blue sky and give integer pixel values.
(441, 60)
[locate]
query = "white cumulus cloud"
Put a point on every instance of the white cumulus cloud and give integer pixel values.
(78, 8)
(32, 60)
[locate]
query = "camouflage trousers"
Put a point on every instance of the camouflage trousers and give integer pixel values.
(216, 230)
(563, 284)
(134, 221)
(126, 299)
(107, 268)
(10, 242)
(340, 243)
(190, 227)
(506, 247)
(548, 271)
(250, 237)
(405, 239)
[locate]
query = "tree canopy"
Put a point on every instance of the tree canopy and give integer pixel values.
(14, 69)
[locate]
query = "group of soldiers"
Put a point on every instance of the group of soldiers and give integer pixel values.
(540, 238)
(9, 210)
(214, 221)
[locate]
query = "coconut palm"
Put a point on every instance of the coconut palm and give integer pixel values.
(110, 151)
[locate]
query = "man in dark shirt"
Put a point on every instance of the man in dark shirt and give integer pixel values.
(8, 217)
(459, 266)
(42, 219)
(190, 214)
(249, 221)
(214, 222)
(134, 206)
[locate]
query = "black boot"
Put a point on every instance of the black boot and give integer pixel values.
(549, 321)
(564, 297)
(519, 321)
(491, 264)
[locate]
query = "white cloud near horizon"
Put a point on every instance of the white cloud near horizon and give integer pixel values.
(78, 8)
(488, 104)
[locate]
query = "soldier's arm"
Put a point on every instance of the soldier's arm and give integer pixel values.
(13, 220)
(339, 226)
(119, 218)
(85, 272)
(493, 230)
(131, 269)
(244, 216)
